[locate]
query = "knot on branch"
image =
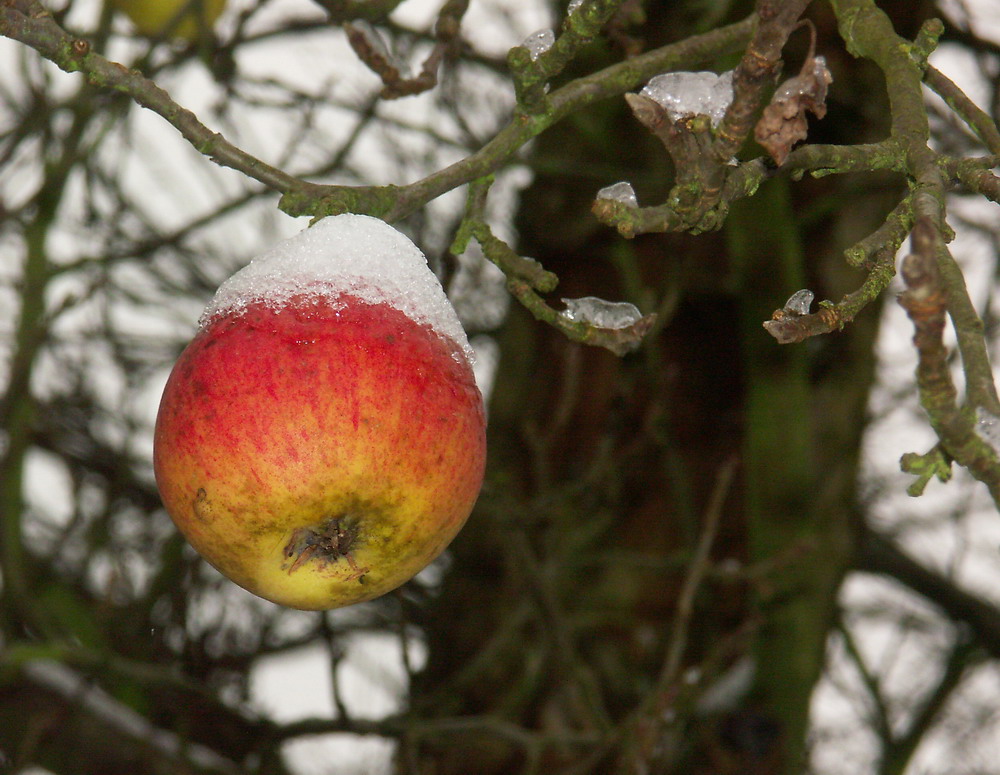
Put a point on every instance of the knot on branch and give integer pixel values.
(924, 298)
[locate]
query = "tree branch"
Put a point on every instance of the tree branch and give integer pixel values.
(28, 22)
(878, 554)
(394, 202)
(925, 302)
(107, 729)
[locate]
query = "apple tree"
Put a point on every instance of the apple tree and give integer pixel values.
(728, 269)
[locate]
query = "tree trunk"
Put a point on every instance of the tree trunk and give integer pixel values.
(560, 611)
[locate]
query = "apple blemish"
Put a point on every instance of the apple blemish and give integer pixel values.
(327, 544)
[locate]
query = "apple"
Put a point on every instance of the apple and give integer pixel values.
(181, 19)
(322, 438)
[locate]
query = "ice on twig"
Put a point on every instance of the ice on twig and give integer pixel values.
(619, 192)
(988, 428)
(539, 42)
(352, 255)
(799, 302)
(692, 94)
(812, 82)
(600, 313)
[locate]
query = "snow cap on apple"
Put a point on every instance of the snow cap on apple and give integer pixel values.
(355, 255)
(322, 438)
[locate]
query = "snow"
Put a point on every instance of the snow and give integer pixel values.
(799, 302)
(354, 254)
(619, 192)
(600, 313)
(539, 42)
(690, 94)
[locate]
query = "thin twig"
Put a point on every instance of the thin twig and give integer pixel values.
(641, 744)
(977, 120)
(36, 28)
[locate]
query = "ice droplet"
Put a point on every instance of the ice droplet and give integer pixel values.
(799, 302)
(692, 94)
(988, 428)
(806, 83)
(354, 254)
(539, 42)
(600, 313)
(619, 192)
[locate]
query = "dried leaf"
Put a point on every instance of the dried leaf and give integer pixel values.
(784, 121)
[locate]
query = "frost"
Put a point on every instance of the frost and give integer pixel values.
(539, 42)
(619, 192)
(354, 254)
(600, 313)
(988, 428)
(799, 302)
(573, 5)
(691, 94)
(811, 82)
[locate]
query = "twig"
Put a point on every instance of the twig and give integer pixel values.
(394, 726)
(975, 174)
(699, 199)
(29, 23)
(977, 120)
(394, 202)
(446, 41)
(648, 726)
(897, 756)
(880, 715)
(755, 73)
(584, 688)
(530, 76)
(877, 253)
(879, 554)
(697, 569)
(925, 301)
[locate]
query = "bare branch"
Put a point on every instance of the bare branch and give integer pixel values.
(37, 29)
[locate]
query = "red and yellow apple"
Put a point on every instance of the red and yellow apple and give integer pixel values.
(180, 19)
(322, 438)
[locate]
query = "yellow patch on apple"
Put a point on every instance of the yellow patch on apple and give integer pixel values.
(322, 439)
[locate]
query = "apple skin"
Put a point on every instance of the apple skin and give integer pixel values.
(321, 453)
(154, 18)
